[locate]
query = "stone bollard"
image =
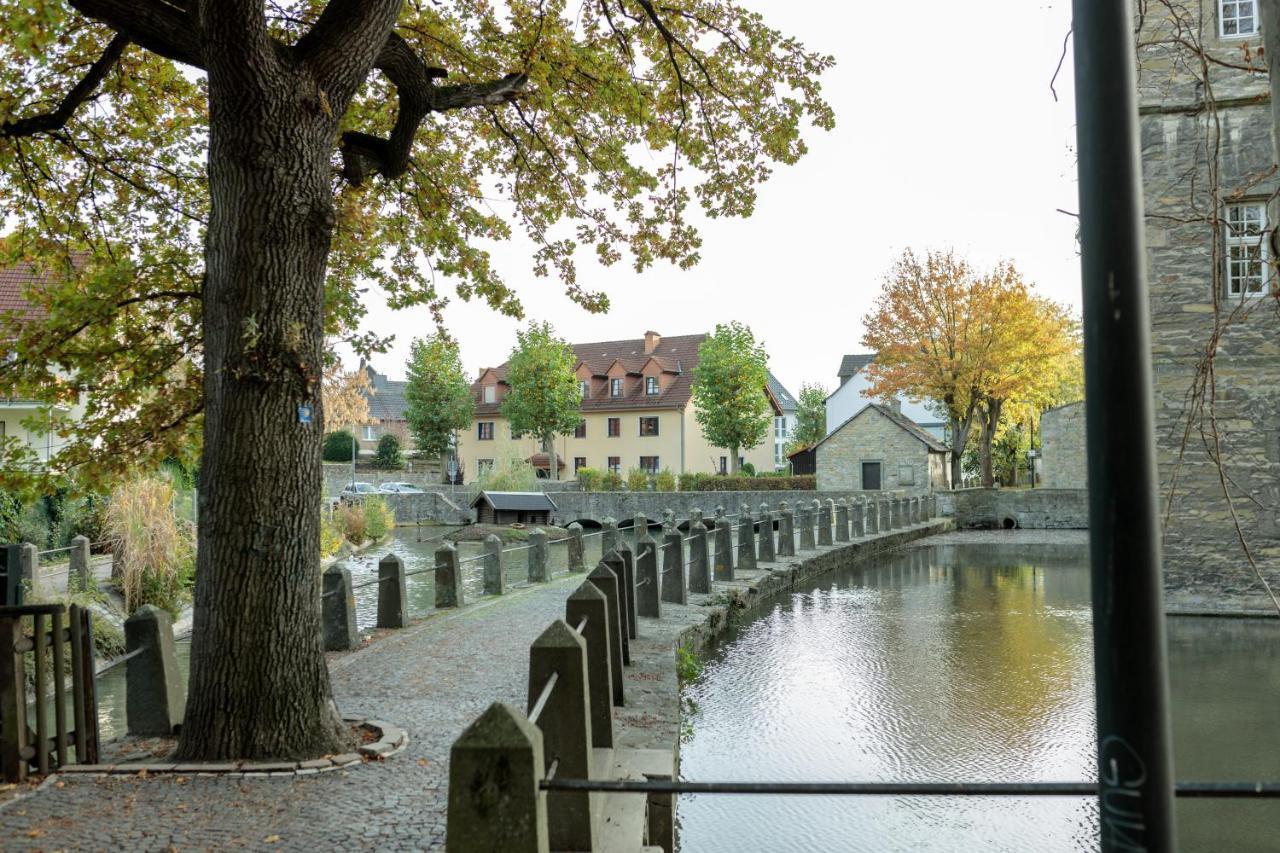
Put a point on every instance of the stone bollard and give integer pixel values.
(448, 577)
(673, 579)
(609, 537)
(30, 556)
(724, 550)
(786, 531)
(765, 552)
(577, 549)
(805, 518)
(916, 518)
(883, 524)
(933, 506)
(746, 539)
(826, 522)
(338, 611)
(79, 572)
(603, 578)
(856, 527)
(639, 530)
(869, 517)
(719, 513)
(393, 594)
(842, 520)
(538, 572)
(699, 556)
(495, 578)
(155, 698)
(648, 579)
(588, 602)
(495, 766)
(565, 721)
(668, 520)
(628, 585)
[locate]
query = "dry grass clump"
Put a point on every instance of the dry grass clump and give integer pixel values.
(154, 551)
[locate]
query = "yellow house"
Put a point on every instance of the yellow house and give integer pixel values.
(637, 412)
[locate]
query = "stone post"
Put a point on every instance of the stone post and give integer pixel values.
(648, 580)
(883, 523)
(577, 549)
(609, 538)
(639, 529)
(495, 578)
(746, 539)
(338, 611)
(719, 512)
(565, 721)
(673, 579)
(628, 585)
(668, 520)
(916, 515)
(538, 572)
(155, 698)
(786, 531)
(766, 553)
(857, 530)
(603, 578)
(31, 568)
(826, 522)
(393, 594)
(79, 572)
(495, 766)
(724, 550)
(590, 603)
(448, 577)
(842, 520)
(805, 517)
(699, 556)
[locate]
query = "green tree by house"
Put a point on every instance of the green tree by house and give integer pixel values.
(728, 390)
(438, 396)
(388, 456)
(811, 416)
(544, 398)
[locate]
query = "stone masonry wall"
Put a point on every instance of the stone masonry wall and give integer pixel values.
(1047, 509)
(871, 437)
(1062, 445)
(1238, 418)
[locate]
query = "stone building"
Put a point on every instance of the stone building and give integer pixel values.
(854, 392)
(1210, 193)
(1063, 463)
(386, 412)
(879, 448)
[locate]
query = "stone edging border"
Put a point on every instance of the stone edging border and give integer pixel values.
(391, 740)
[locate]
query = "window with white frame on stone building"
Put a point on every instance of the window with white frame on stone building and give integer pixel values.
(1246, 248)
(369, 432)
(1237, 18)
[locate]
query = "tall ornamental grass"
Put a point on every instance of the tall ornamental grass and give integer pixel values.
(154, 551)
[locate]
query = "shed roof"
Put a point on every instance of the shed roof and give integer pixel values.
(910, 426)
(520, 501)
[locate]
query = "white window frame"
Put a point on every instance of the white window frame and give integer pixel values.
(368, 432)
(1242, 240)
(491, 393)
(1234, 17)
(657, 464)
(615, 388)
(584, 388)
(651, 386)
(480, 431)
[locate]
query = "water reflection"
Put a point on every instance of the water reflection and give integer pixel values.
(952, 663)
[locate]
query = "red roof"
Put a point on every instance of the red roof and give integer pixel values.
(15, 282)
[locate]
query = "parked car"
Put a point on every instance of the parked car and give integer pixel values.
(355, 492)
(401, 488)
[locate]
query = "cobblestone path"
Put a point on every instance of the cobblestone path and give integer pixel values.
(433, 679)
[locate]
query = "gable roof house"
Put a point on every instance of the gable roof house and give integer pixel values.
(637, 409)
(854, 393)
(386, 412)
(879, 448)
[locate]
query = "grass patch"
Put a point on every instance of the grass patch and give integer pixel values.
(688, 665)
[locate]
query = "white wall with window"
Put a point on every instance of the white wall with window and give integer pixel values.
(1246, 249)
(1237, 18)
(784, 426)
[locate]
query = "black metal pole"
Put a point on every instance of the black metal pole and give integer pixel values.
(1134, 752)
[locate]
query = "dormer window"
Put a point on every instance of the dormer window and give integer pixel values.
(615, 387)
(491, 393)
(1237, 18)
(651, 386)
(584, 389)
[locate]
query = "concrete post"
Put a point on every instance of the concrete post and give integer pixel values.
(565, 722)
(393, 595)
(883, 523)
(609, 538)
(804, 516)
(719, 512)
(538, 572)
(31, 568)
(673, 579)
(826, 522)
(766, 553)
(668, 520)
(648, 580)
(627, 581)
(587, 602)
(155, 698)
(338, 610)
(639, 528)
(746, 539)
(842, 520)
(603, 578)
(724, 550)
(79, 573)
(448, 577)
(786, 531)
(699, 556)
(495, 766)
(858, 519)
(577, 549)
(495, 577)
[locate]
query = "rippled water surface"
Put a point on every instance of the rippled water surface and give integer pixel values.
(957, 663)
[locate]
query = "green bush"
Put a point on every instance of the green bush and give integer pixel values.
(590, 479)
(746, 469)
(611, 482)
(339, 446)
(378, 518)
(637, 481)
(388, 456)
(665, 481)
(510, 473)
(33, 525)
(721, 483)
(330, 537)
(350, 521)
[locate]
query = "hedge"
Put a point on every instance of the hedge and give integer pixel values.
(720, 483)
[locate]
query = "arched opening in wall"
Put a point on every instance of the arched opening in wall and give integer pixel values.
(1010, 524)
(587, 523)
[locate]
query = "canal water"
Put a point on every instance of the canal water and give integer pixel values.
(958, 663)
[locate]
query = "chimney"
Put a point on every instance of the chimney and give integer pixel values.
(651, 341)
(896, 405)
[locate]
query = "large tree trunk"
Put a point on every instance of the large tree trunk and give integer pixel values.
(733, 462)
(553, 464)
(990, 420)
(960, 429)
(259, 686)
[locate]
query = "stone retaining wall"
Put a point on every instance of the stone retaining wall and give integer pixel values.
(1045, 509)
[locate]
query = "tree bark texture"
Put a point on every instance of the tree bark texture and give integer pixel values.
(733, 462)
(990, 420)
(960, 429)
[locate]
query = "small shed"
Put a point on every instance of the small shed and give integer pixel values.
(513, 508)
(803, 462)
(880, 448)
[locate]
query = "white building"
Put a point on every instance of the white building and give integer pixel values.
(784, 425)
(852, 395)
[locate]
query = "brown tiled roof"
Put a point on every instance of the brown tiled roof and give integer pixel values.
(15, 282)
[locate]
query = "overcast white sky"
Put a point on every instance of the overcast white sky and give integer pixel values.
(947, 135)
